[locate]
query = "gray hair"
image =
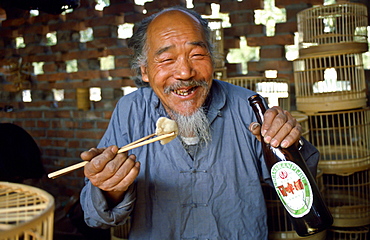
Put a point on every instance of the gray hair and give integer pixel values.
(138, 41)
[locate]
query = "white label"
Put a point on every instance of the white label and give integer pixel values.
(292, 187)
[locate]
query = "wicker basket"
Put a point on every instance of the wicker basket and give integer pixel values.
(347, 196)
(343, 139)
(340, 27)
(274, 90)
(330, 83)
(25, 212)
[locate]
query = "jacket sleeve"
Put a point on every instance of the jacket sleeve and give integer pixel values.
(311, 155)
(96, 211)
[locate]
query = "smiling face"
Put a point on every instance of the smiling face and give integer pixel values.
(179, 66)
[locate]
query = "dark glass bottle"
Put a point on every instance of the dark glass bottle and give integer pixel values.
(294, 183)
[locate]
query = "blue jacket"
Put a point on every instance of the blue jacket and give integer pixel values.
(215, 195)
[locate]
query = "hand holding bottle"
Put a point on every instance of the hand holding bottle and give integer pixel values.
(279, 128)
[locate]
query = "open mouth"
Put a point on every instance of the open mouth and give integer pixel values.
(184, 92)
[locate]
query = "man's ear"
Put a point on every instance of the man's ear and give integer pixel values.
(144, 74)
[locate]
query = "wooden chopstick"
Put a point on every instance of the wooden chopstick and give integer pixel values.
(135, 144)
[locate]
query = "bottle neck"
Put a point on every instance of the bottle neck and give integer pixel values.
(258, 107)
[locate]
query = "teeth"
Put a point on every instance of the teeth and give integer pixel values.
(182, 92)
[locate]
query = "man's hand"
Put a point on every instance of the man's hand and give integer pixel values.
(111, 172)
(279, 128)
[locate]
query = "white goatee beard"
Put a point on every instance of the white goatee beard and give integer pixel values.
(193, 125)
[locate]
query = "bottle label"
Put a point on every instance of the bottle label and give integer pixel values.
(292, 187)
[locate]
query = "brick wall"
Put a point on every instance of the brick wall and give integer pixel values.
(61, 130)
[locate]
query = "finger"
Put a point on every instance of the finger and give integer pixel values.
(97, 164)
(130, 178)
(288, 134)
(91, 153)
(116, 173)
(274, 119)
(255, 129)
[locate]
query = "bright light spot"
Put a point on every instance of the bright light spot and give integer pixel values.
(189, 4)
(38, 68)
(58, 94)
(34, 13)
(71, 66)
(331, 83)
(51, 38)
(273, 91)
(125, 30)
(86, 35)
(142, 2)
(127, 90)
(19, 42)
(95, 94)
(100, 4)
(271, 73)
(107, 63)
(26, 95)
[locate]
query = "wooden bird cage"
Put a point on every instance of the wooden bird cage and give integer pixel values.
(343, 139)
(274, 90)
(340, 27)
(25, 212)
(329, 83)
(278, 221)
(356, 233)
(348, 198)
(303, 120)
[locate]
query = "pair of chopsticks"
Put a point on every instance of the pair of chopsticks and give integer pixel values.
(138, 143)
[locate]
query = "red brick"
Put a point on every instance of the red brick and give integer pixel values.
(231, 42)
(86, 54)
(36, 29)
(287, 39)
(95, 134)
(52, 77)
(47, 18)
(49, 67)
(105, 21)
(106, 42)
(272, 52)
(283, 3)
(243, 30)
(58, 114)
(242, 17)
(121, 72)
(83, 14)
(65, 47)
(60, 133)
(9, 33)
(204, 9)
(287, 27)
(119, 51)
(13, 22)
(120, 8)
(67, 26)
(262, 66)
(90, 74)
(237, 6)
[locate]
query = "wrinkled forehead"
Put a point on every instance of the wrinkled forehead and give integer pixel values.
(173, 19)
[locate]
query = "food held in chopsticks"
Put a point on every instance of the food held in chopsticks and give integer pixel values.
(165, 126)
(166, 131)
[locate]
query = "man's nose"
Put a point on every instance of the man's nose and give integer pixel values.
(184, 70)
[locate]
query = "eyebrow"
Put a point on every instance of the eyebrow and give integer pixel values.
(195, 43)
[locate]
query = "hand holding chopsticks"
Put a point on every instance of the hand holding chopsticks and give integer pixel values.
(130, 146)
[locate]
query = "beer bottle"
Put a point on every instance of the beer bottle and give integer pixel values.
(294, 183)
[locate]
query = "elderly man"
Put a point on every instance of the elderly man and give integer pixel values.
(206, 183)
